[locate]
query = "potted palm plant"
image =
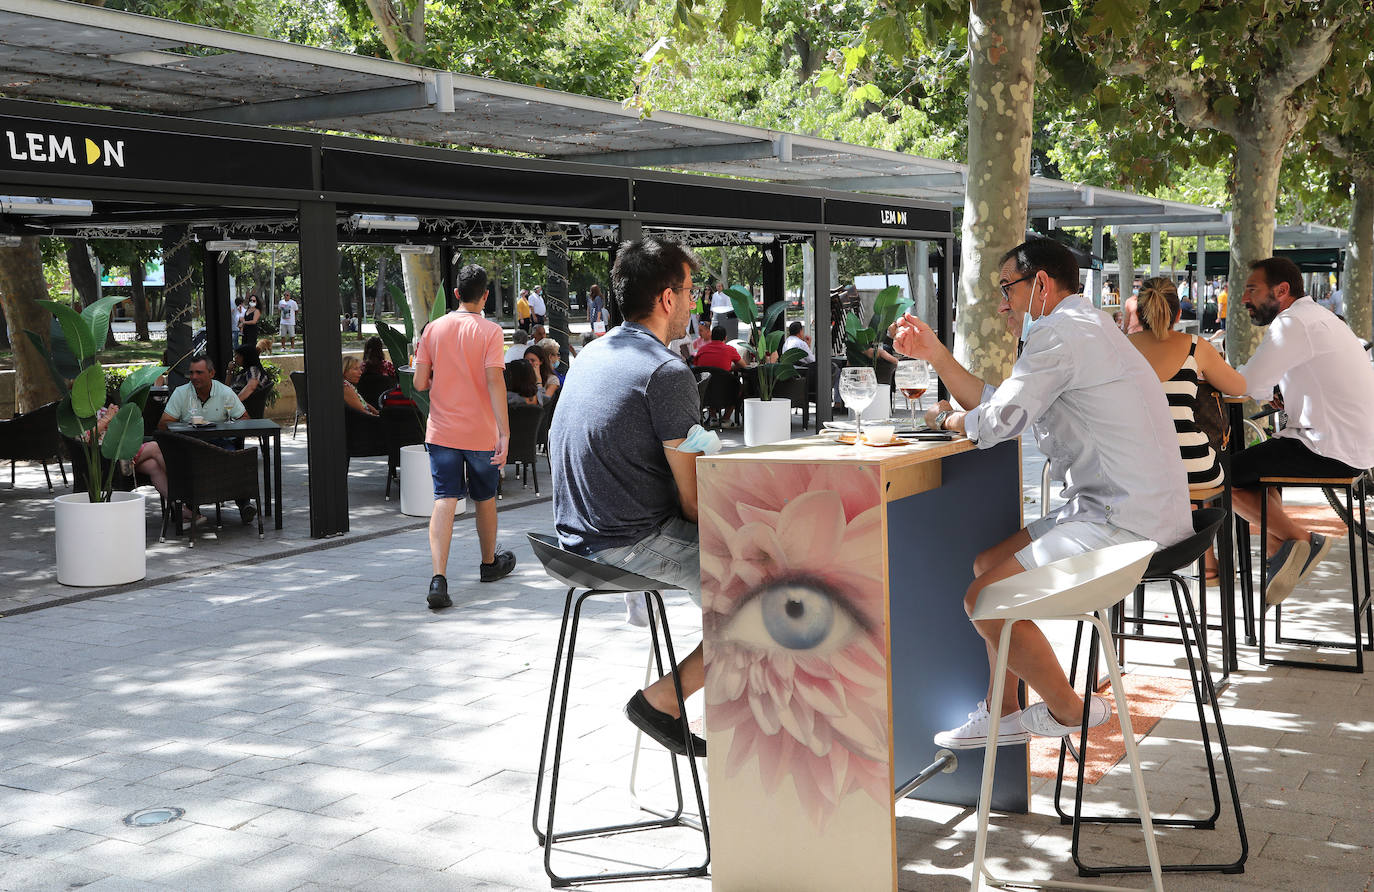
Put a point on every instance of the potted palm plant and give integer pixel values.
(417, 486)
(766, 420)
(100, 533)
(861, 342)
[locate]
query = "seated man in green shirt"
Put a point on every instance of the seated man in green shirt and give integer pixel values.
(204, 398)
(210, 401)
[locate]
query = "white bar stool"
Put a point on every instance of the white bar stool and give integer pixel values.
(1081, 588)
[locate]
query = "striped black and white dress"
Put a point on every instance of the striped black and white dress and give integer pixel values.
(1199, 459)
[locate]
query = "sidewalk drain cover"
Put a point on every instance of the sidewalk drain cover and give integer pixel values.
(151, 817)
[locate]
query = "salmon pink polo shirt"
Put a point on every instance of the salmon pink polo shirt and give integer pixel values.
(459, 348)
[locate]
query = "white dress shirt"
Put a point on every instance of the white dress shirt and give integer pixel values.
(720, 303)
(794, 341)
(1325, 378)
(1101, 419)
(516, 351)
(537, 304)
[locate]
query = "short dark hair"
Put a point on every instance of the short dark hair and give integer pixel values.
(1281, 269)
(205, 358)
(643, 269)
(1045, 255)
(718, 332)
(794, 327)
(520, 378)
(472, 283)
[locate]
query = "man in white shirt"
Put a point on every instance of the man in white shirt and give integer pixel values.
(797, 339)
(723, 312)
(1327, 430)
(1099, 412)
(537, 307)
(287, 326)
(520, 339)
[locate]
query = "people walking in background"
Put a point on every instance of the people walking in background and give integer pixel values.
(524, 317)
(460, 358)
(537, 306)
(596, 308)
(286, 326)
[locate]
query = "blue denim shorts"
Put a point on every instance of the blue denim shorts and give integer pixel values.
(671, 554)
(463, 473)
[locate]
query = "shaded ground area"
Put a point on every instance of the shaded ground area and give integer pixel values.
(28, 575)
(323, 730)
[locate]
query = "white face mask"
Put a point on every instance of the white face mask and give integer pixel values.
(1029, 320)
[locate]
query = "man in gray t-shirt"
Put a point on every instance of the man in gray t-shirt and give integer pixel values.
(623, 492)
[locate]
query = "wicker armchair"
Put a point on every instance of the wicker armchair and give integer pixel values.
(200, 473)
(33, 437)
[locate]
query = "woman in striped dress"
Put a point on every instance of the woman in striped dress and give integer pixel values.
(1181, 360)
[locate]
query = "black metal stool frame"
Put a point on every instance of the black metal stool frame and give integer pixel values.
(1203, 687)
(572, 609)
(1359, 605)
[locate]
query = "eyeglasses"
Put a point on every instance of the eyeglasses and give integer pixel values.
(1007, 287)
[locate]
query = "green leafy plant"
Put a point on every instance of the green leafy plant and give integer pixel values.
(398, 346)
(84, 396)
(858, 339)
(765, 337)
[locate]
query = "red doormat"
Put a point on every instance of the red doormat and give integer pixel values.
(1149, 696)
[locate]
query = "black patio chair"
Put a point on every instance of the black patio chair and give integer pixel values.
(33, 436)
(201, 473)
(256, 404)
(794, 389)
(298, 385)
(722, 393)
(523, 452)
(541, 435)
(372, 385)
(367, 436)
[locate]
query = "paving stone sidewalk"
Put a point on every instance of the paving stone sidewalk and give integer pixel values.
(323, 730)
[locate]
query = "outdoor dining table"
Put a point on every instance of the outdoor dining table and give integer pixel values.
(836, 644)
(269, 438)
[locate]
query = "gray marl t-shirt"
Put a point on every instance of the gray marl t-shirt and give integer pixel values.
(624, 396)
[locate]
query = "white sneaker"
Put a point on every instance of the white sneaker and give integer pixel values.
(973, 734)
(1037, 719)
(636, 614)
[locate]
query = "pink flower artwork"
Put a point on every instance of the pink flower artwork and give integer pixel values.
(796, 660)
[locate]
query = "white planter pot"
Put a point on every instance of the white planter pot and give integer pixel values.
(417, 484)
(880, 408)
(767, 422)
(101, 543)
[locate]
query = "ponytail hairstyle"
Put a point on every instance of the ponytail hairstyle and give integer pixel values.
(1157, 306)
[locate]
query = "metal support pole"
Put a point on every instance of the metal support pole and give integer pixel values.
(1154, 253)
(328, 464)
(821, 342)
(945, 295)
(1099, 276)
(219, 343)
(448, 275)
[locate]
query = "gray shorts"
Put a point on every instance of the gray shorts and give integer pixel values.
(287, 330)
(671, 554)
(1051, 541)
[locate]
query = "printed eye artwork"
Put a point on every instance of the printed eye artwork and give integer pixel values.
(798, 614)
(792, 599)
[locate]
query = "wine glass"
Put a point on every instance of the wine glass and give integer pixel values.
(858, 387)
(913, 380)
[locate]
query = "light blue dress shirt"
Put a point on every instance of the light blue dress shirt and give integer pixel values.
(1101, 418)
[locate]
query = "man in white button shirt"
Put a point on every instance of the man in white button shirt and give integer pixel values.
(797, 339)
(1101, 417)
(519, 341)
(1326, 381)
(537, 306)
(723, 312)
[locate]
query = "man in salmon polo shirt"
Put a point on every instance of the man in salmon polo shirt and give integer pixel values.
(461, 359)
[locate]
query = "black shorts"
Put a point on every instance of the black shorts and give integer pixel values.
(1283, 457)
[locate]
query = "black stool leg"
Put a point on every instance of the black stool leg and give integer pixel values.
(547, 837)
(548, 716)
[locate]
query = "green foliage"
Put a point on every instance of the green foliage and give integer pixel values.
(91, 390)
(858, 338)
(765, 336)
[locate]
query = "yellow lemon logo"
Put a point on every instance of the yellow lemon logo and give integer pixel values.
(92, 152)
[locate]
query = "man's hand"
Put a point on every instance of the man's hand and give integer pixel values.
(502, 445)
(941, 406)
(912, 337)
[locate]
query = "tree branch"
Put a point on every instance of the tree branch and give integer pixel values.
(389, 26)
(1309, 55)
(1190, 102)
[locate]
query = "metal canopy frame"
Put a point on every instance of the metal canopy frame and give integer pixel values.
(232, 175)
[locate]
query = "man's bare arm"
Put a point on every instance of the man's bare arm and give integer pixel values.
(684, 467)
(422, 373)
(496, 390)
